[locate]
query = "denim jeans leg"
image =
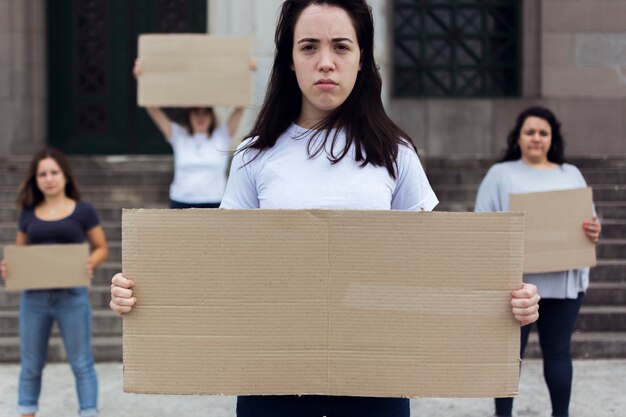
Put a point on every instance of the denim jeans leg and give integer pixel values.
(73, 314)
(35, 323)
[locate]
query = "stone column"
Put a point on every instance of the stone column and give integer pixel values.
(22, 76)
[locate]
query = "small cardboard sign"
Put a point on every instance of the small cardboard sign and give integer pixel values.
(38, 267)
(194, 70)
(361, 303)
(555, 239)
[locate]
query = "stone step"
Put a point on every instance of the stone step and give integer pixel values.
(104, 323)
(473, 177)
(599, 293)
(460, 163)
(587, 345)
(99, 296)
(105, 349)
(611, 249)
(121, 194)
(112, 231)
(613, 229)
(602, 318)
(88, 178)
(609, 270)
(606, 209)
(464, 192)
(107, 211)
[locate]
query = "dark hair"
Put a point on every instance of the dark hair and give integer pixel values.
(375, 137)
(29, 194)
(187, 120)
(555, 153)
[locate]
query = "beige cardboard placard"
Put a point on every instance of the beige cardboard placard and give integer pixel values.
(555, 239)
(194, 70)
(363, 303)
(37, 267)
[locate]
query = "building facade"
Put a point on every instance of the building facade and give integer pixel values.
(456, 72)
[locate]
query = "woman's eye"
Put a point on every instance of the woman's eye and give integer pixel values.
(308, 48)
(543, 133)
(530, 132)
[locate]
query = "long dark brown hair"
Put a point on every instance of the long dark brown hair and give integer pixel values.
(187, 119)
(29, 194)
(556, 153)
(366, 125)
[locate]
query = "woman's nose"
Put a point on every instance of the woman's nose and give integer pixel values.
(326, 60)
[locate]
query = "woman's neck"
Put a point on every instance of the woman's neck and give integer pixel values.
(539, 164)
(56, 200)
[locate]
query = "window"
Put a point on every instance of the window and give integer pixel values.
(457, 48)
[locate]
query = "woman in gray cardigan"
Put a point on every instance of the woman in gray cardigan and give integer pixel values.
(534, 162)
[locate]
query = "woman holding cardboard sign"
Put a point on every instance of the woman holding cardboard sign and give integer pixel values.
(52, 213)
(323, 140)
(201, 152)
(534, 161)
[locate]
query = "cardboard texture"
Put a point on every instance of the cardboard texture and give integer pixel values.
(38, 267)
(194, 70)
(555, 239)
(362, 303)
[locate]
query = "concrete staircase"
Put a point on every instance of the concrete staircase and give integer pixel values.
(601, 326)
(111, 183)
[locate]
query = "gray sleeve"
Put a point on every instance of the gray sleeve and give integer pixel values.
(488, 195)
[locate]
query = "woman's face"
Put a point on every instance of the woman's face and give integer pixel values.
(50, 178)
(535, 139)
(326, 59)
(200, 120)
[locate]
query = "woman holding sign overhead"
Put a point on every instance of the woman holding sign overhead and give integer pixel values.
(201, 152)
(534, 162)
(322, 140)
(53, 213)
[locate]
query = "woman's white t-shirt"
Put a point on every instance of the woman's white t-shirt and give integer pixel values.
(286, 177)
(200, 164)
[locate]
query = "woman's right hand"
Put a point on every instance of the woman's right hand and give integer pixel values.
(137, 70)
(3, 269)
(122, 300)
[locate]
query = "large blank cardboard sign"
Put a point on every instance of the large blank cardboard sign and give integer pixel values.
(38, 267)
(555, 239)
(362, 303)
(194, 70)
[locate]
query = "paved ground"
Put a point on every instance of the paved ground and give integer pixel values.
(599, 391)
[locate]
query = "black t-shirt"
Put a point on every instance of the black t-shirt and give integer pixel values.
(70, 229)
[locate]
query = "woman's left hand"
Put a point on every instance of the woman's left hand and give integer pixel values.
(592, 229)
(525, 304)
(90, 269)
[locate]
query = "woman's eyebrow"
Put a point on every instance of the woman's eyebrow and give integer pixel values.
(315, 40)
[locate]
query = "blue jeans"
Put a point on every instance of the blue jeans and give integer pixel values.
(71, 309)
(321, 405)
(555, 326)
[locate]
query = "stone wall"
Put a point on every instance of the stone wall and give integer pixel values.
(22, 76)
(574, 63)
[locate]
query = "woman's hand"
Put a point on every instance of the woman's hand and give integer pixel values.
(3, 269)
(90, 269)
(137, 70)
(122, 300)
(592, 229)
(525, 304)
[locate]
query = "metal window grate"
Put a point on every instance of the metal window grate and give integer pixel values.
(457, 48)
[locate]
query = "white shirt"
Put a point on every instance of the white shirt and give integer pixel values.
(285, 177)
(200, 165)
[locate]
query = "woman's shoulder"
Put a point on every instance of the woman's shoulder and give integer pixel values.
(570, 168)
